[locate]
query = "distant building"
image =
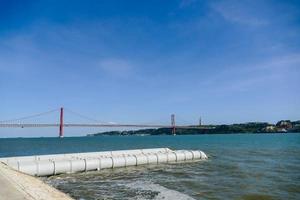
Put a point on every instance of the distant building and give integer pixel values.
(284, 124)
(269, 128)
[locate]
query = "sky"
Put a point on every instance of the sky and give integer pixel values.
(140, 61)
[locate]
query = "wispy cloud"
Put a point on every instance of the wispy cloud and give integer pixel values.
(185, 3)
(273, 71)
(241, 12)
(119, 68)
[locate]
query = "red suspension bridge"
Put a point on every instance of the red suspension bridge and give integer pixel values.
(16, 123)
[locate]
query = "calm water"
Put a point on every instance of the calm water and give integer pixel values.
(241, 166)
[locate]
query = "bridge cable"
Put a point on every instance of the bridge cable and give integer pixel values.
(30, 116)
(82, 116)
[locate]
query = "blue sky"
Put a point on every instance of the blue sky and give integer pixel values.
(140, 61)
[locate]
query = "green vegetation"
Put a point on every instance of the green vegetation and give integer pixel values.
(282, 126)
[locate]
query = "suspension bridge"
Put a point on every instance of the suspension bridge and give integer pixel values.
(17, 123)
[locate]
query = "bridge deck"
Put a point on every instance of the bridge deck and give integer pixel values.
(20, 125)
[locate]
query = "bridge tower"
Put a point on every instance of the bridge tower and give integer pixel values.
(61, 123)
(173, 124)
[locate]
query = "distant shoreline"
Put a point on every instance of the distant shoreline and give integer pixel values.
(105, 134)
(283, 126)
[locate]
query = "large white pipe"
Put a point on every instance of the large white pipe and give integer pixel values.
(47, 165)
(83, 155)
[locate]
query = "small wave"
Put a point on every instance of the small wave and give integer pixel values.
(163, 192)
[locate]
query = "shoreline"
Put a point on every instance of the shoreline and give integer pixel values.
(142, 135)
(19, 186)
(107, 135)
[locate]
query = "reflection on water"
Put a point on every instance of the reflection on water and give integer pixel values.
(243, 166)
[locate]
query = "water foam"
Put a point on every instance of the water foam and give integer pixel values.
(163, 192)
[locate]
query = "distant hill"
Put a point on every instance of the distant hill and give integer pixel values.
(282, 126)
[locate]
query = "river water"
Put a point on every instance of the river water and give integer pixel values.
(240, 166)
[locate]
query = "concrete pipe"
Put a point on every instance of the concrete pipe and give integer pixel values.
(47, 165)
(162, 158)
(106, 163)
(152, 158)
(44, 168)
(119, 161)
(78, 165)
(141, 159)
(62, 166)
(130, 160)
(92, 164)
(28, 167)
(172, 157)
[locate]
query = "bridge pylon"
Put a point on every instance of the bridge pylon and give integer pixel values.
(61, 123)
(173, 124)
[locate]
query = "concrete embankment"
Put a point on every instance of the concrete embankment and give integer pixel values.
(15, 185)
